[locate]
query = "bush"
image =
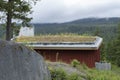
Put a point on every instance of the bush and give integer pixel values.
(58, 74)
(75, 63)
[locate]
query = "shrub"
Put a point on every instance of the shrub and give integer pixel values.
(58, 74)
(75, 63)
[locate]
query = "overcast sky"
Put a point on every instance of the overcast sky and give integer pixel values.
(51, 11)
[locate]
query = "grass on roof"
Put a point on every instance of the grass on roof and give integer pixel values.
(57, 38)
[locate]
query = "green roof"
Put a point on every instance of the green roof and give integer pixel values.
(57, 38)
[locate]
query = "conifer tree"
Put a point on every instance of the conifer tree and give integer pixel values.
(13, 12)
(113, 54)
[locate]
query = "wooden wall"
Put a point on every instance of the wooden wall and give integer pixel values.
(89, 57)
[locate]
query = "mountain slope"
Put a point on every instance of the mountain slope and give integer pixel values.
(96, 20)
(104, 27)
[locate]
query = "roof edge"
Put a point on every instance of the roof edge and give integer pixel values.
(66, 45)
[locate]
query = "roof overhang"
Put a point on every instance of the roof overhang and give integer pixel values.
(66, 45)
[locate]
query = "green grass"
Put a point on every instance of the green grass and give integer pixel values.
(93, 74)
(115, 69)
(57, 38)
(90, 74)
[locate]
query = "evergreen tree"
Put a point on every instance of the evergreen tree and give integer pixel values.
(13, 12)
(97, 31)
(114, 49)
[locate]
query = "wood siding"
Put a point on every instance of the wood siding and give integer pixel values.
(89, 57)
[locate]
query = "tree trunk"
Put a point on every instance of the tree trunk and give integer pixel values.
(9, 21)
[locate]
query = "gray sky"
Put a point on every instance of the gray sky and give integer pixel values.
(50, 11)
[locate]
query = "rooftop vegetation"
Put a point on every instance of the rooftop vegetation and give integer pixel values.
(57, 38)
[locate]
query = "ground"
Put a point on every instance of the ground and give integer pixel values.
(83, 72)
(69, 69)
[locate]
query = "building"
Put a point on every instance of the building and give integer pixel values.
(67, 48)
(26, 31)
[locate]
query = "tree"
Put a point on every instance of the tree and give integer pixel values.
(15, 13)
(97, 31)
(113, 51)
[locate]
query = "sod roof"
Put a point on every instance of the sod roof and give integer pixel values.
(62, 42)
(57, 38)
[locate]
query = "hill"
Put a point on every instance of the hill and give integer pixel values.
(92, 21)
(104, 27)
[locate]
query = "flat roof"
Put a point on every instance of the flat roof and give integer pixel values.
(63, 43)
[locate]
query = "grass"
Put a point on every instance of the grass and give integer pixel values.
(57, 38)
(93, 74)
(89, 74)
(115, 69)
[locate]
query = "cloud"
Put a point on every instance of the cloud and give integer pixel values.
(67, 10)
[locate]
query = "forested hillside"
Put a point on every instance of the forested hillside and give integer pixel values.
(104, 27)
